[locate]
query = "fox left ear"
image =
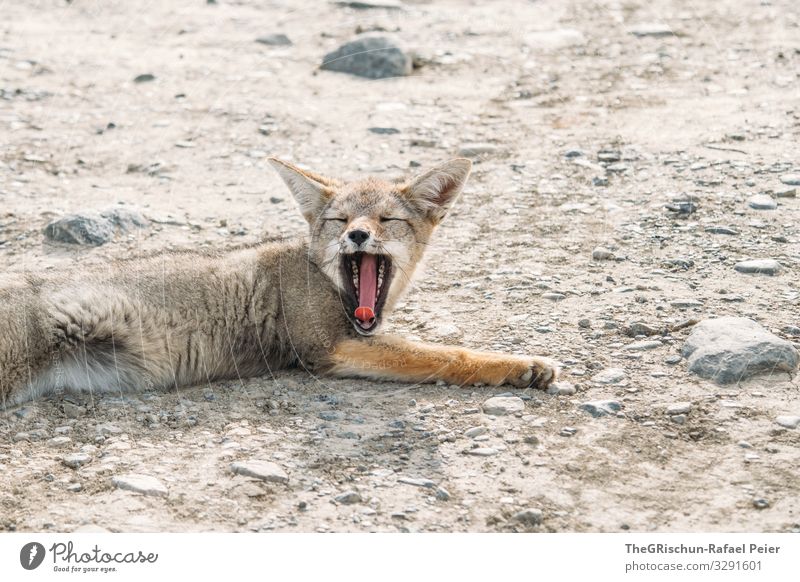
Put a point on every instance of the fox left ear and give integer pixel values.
(435, 191)
(311, 191)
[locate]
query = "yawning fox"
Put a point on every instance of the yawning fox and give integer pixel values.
(181, 318)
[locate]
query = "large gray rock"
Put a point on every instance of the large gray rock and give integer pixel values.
(729, 349)
(373, 57)
(94, 228)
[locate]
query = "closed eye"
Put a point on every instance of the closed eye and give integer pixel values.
(336, 219)
(391, 219)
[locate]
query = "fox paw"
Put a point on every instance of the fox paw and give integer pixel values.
(540, 373)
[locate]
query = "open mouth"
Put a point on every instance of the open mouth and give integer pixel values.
(367, 280)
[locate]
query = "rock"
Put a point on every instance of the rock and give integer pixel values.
(383, 130)
(791, 179)
(686, 303)
(73, 410)
(25, 413)
(475, 431)
(94, 229)
(80, 229)
(471, 150)
(561, 389)
(672, 360)
(371, 5)
(108, 429)
(682, 207)
(643, 346)
(599, 181)
(788, 421)
(554, 296)
(528, 517)
(274, 39)
(762, 202)
(760, 503)
(602, 254)
(759, 266)
(585, 323)
(370, 57)
(636, 328)
(348, 498)
(721, 230)
(786, 193)
(264, 470)
(609, 156)
(442, 494)
(678, 419)
(483, 452)
(144, 78)
(679, 408)
(730, 349)
(59, 442)
(654, 29)
(600, 408)
(792, 330)
(555, 39)
(427, 483)
(75, 460)
(503, 405)
(609, 376)
(144, 484)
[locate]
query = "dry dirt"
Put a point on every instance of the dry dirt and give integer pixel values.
(711, 111)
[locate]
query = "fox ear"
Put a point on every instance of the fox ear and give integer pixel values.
(311, 191)
(435, 191)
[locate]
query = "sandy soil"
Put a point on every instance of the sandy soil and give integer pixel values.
(710, 112)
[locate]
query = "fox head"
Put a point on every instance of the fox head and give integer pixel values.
(369, 235)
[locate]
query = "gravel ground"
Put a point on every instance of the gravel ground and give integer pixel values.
(618, 148)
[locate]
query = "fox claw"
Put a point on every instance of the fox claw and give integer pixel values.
(540, 374)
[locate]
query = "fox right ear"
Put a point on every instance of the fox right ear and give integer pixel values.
(435, 191)
(310, 190)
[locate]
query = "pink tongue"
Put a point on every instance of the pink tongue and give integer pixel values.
(367, 287)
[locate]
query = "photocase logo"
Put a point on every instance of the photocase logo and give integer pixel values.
(31, 555)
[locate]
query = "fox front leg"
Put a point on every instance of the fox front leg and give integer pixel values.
(393, 358)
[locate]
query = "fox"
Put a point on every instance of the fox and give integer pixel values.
(316, 302)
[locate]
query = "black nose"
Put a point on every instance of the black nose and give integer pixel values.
(358, 236)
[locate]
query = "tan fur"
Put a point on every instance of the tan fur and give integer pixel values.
(183, 318)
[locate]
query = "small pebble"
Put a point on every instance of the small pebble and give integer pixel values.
(609, 376)
(602, 254)
(483, 452)
(75, 460)
(264, 470)
(759, 266)
(528, 517)
(679, 408)
(503, 405)
(143, 484)
(762, 202)
(600, 408)
(788, 421)
(348, 498)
